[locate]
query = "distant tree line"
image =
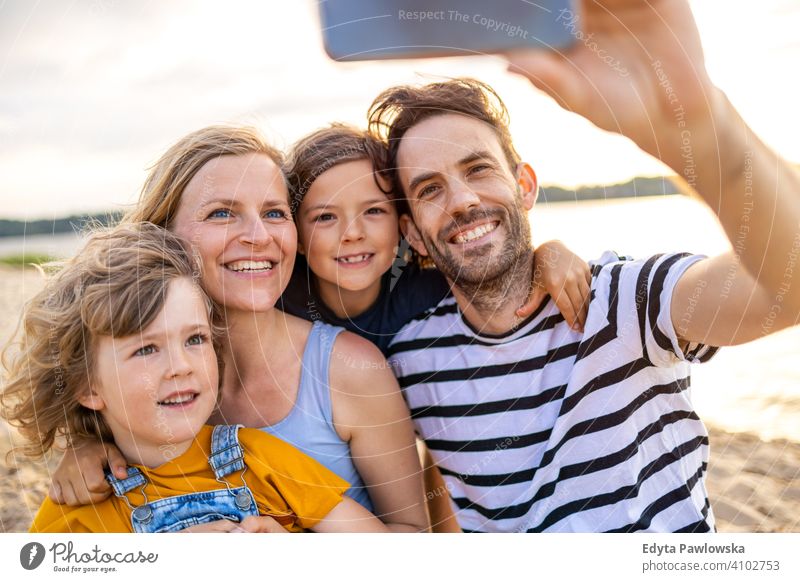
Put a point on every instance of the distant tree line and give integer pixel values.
(73, 223)
(632, 189)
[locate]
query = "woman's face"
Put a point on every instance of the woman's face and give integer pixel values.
(348, 228)
(235, 214)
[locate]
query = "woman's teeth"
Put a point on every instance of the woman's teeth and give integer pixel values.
(475, 233)
(250, 266)
(354, 259)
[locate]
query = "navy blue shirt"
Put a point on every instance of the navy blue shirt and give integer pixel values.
(405, 293)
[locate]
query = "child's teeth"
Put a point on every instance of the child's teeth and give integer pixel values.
(356, 259)
(179, 400)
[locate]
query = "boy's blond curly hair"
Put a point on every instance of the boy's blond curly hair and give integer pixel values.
(115, 286)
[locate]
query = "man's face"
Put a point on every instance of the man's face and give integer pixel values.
(469, 209)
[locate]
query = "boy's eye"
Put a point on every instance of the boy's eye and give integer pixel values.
(325, 217)
(197, 339)
(145, 350)
(376, 210)
(220, 213)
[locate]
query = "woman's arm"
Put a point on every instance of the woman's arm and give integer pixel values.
(79, 477)
(369, 413)
(437, 496)
(350, 516)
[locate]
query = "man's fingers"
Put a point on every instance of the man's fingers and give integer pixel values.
(545, 70)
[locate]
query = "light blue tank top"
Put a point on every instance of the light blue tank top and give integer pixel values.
(309, 425)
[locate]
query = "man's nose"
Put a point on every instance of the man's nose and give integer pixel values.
(461, 199)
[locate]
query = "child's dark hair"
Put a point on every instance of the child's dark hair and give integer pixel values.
(115, 286)
(324, 149)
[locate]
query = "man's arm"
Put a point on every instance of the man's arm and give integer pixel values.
(660, 96)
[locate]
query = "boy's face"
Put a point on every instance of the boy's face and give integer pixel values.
(156, 389)
(348, 228)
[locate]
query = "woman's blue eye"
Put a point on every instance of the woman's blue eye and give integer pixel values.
(145, 350)
(220, 213)
(197, 339)
(275, 214)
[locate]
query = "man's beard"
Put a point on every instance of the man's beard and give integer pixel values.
(486, 276)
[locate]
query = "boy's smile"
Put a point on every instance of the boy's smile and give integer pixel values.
(155, 390)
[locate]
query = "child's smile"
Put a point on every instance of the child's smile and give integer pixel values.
(156, 389)
(349, 234)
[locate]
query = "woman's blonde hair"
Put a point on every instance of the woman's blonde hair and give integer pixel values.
(168, 177)
(115, 286)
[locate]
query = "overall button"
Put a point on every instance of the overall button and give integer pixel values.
(143, 514)
(243, 500)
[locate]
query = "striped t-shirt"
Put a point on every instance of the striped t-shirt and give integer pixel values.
(549, 429)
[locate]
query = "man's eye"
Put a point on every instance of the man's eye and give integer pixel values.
(220, 213)
(145, 350)
(479, 168)
(428, 191)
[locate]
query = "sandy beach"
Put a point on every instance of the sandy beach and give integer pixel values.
(749, 396)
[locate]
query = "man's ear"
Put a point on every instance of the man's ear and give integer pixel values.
(91, 399)
(411, 234)
(527, 184)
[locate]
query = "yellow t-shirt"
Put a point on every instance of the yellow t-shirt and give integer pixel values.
(286, 483)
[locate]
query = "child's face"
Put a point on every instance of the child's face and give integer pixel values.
(348, 228)
(156, 389)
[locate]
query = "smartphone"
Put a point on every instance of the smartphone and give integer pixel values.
(356, 30)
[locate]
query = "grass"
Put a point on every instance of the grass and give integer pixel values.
(26, 260)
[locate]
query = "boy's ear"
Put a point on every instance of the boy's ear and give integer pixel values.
(527, 185)
(411, 234)
(92, 400)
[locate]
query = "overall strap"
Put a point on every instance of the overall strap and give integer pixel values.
(122, 486)
(227, 455)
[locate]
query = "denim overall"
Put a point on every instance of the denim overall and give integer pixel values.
(173, 514)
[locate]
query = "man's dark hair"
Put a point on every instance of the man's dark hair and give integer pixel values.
(398, 109)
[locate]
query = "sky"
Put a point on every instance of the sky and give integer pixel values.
(93, 91)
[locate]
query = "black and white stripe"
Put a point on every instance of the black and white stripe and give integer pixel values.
(548, 429)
